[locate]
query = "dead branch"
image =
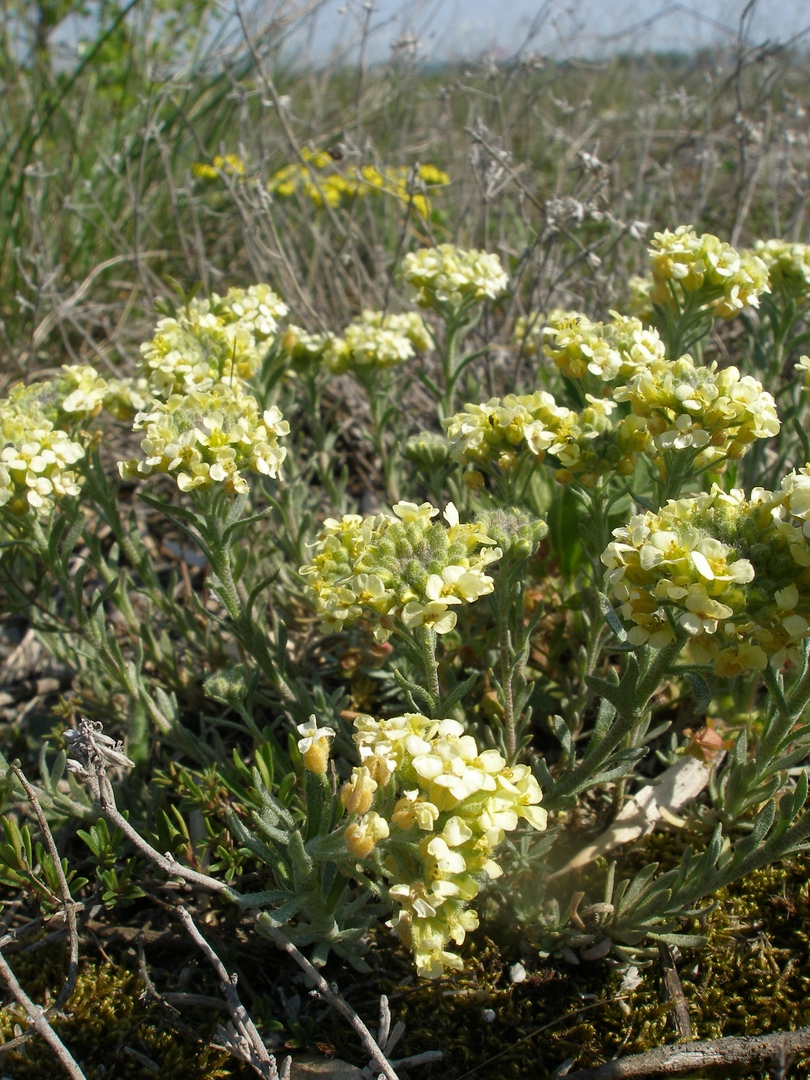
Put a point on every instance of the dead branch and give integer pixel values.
(686, 1057)
(243, 1040)
(67, 900)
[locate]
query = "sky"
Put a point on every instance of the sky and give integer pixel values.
(458, 28)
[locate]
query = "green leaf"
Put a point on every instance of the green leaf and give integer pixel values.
(700, 690)
(459, 692)
(682, 941)
(280, 915)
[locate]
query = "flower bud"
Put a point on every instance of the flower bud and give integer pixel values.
(228, 686)
(357, 794)
(362, 836)
(429, 450)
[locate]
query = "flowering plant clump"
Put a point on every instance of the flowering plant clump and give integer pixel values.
(611, 351)
(442, 808)
(402, 565)
(451, 278)
(496, 717)
(720, 277)
(209, 438)
(717, 412)
(731, 572)
(377, 341)
(210, 341)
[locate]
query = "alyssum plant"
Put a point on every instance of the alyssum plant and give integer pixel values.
(677, 546)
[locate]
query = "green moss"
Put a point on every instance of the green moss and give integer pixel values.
(752, 978)
(106, 1019)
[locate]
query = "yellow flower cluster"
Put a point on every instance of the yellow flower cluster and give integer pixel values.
(614, 350)
(229, 164)
(402, 565)
(450, 277)
(447, 808)
(788, 266)
(375, 340)
(209, 341)
(587, 444)
(500, 428)
(302, 348)
(732, 573)
(718, 412)
(209, 437)
(598, 442)
(74, 396)
(727, 280)
(42, 438)
(36, 462)
(336, 188)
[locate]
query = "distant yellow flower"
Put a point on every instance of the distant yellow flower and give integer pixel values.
(335, 186)
(431, 175)
(227, 164)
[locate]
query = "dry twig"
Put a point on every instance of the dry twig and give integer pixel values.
(67, 900)
(37, 1015)
(686, 1057)
(243, 1040)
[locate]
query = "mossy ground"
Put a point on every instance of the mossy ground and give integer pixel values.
(752, 978)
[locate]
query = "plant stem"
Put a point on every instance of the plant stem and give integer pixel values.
(507, 659)
(427, 643)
